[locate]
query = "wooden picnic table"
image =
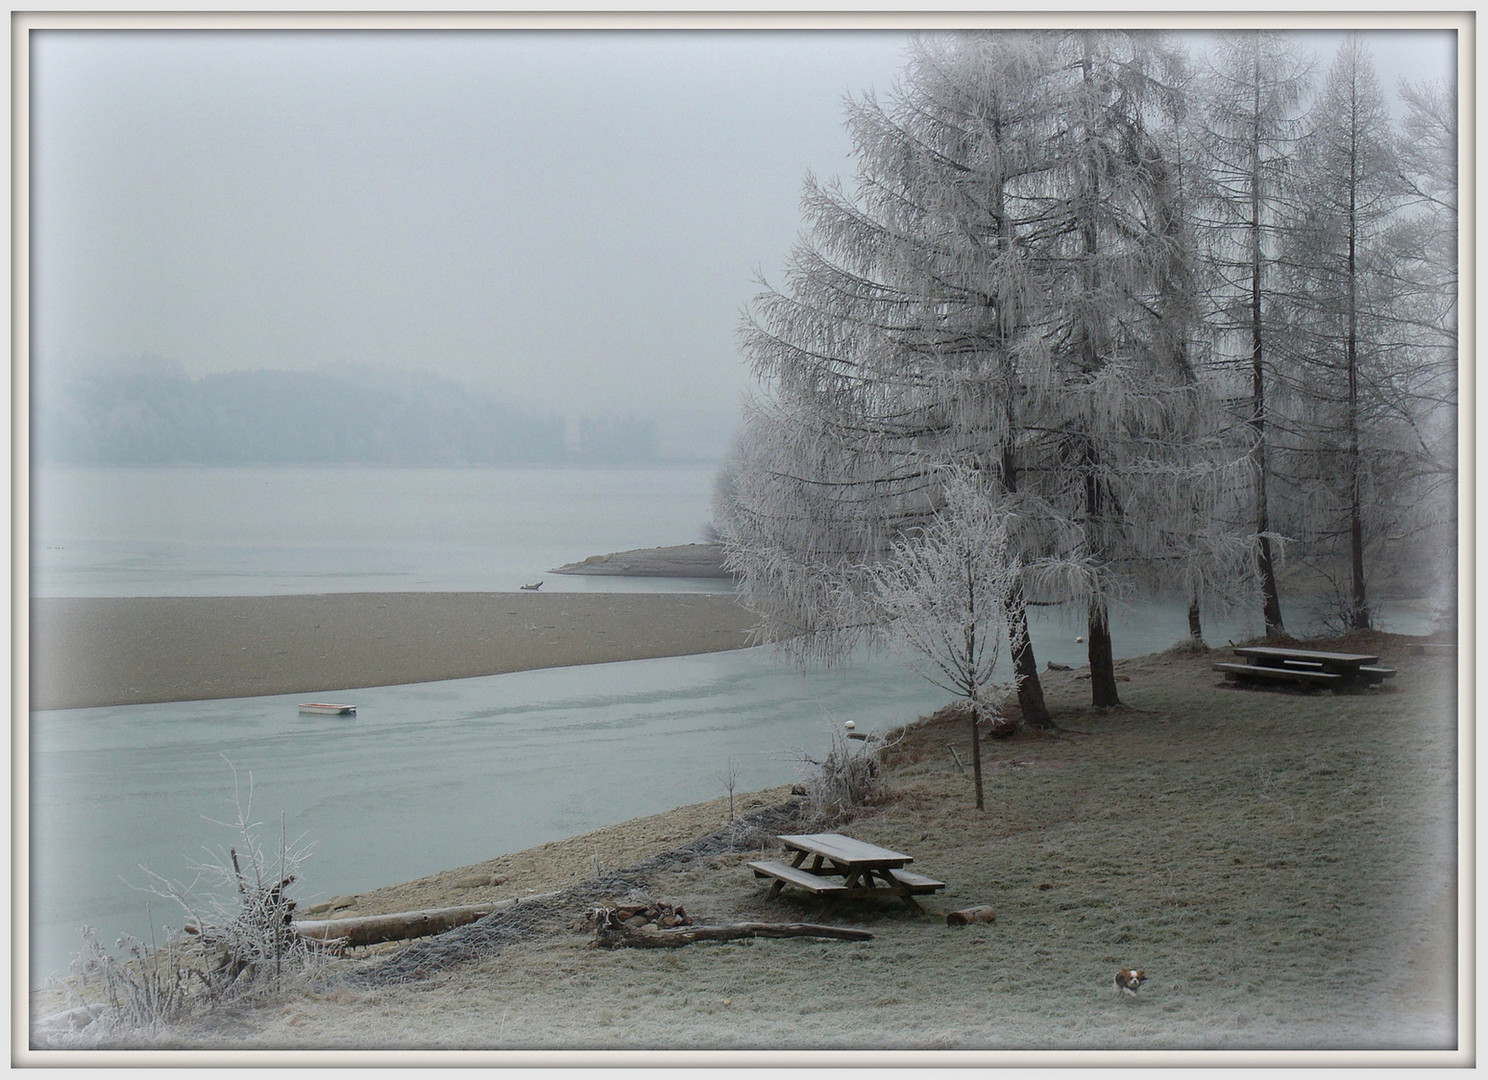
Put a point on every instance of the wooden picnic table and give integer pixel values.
(864, 870)
(1308, 667)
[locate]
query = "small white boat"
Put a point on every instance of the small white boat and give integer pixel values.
(327, 708)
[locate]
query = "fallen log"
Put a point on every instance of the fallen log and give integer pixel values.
(612, 933)
(966, 916)
(397, 926)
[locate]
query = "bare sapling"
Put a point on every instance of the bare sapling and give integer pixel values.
(729, 778)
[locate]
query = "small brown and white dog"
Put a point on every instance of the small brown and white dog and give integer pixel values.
(1128, 981)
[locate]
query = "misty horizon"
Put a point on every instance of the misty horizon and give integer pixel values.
(150, 411)
(571, 222)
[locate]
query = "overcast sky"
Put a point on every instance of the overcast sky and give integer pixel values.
(572, 218)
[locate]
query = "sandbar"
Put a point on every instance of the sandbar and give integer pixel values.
(88, 652)
(680, 560)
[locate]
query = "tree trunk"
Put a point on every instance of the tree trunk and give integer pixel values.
(1360, 614)
(1265, 564)
(1020, 645)
(1359, 617)
(1195, 623)
(1102, 666)
(976, 754)
(1270, 597)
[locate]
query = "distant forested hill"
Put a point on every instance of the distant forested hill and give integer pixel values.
(153, 414)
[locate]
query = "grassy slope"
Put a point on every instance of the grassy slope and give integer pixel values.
(1282, 865)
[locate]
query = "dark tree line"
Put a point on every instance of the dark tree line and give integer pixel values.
(153, 414)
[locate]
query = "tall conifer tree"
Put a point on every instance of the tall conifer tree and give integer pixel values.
(995, 297)
(1255, 84)
(1342, 276)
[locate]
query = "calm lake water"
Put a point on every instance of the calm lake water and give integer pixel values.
(431, 776)
(240, 532)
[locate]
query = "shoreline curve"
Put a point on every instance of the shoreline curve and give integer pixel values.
(90, 652)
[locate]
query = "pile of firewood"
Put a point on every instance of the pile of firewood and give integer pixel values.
(638, 916)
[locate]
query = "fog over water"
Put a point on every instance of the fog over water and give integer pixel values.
(570, 219)
(264, 531)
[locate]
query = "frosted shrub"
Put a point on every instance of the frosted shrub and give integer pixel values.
(243, 917)
(239, 942)
(140, 993)
(846, 778)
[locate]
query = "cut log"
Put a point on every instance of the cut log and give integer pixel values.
(614, 934)
(397, 926)
(400, 925)
(967, 916)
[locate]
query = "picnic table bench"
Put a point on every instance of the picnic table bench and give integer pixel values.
(842, 867)
(1306, 667)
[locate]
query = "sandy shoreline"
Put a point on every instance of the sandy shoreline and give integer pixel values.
(88, 652)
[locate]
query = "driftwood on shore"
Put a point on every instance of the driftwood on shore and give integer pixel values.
(611, 932)
(397, 926)
(359, 930)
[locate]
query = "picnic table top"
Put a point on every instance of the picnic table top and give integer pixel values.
(1278, 653)
(844, 849)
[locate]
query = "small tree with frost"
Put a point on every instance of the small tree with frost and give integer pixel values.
(942, 601)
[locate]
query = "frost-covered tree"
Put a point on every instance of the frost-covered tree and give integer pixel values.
(1422, 395)
(1113, 253)
(1251, 100)
(1180, 139)
(895, 347)
(1426, 238)
(941, 601)
(996, 296)
(1342, 275)
(1205, 552)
